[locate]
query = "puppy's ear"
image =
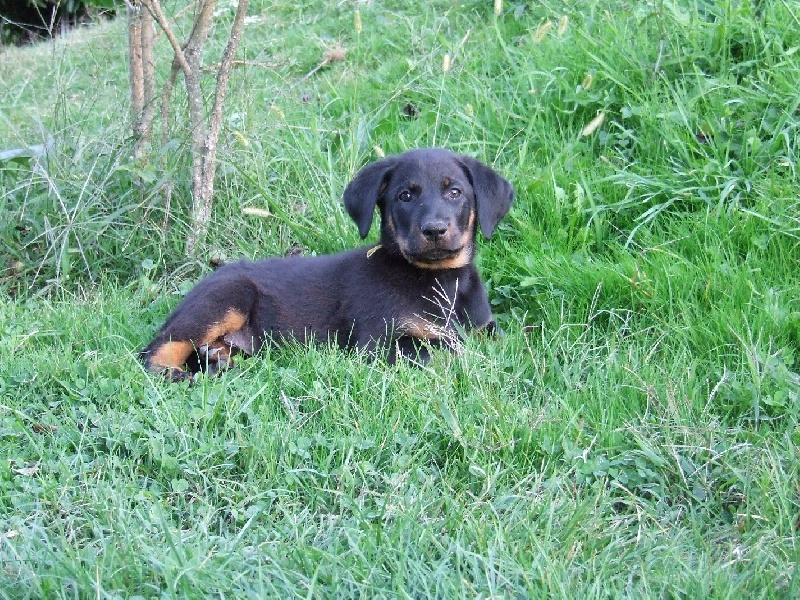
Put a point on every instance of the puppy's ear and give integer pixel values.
(493, 194)
(362, 194)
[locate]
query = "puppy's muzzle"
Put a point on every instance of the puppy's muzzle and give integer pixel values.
(437, 254)
(434, 230)
(435, 240)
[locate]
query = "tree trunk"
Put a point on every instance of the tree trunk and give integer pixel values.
(136, 73)
(201, 210)
(188, 60)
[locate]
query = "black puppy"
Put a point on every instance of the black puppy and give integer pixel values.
(419, 286)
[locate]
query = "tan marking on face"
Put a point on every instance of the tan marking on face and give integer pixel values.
(461, 259)
(446, 183)
(390, 224)
(404, 249)
(402, 243)
(467, 235)
(454, 262)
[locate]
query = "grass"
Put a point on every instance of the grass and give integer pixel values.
(635, 431)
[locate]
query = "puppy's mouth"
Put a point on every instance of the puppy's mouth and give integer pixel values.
(436, 254)
(440, 258)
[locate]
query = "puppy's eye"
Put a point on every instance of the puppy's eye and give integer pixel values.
(404, 196)
(454, 193)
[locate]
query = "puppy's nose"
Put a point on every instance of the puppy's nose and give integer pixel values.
(434, 229)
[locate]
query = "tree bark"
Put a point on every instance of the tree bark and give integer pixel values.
(166, 96)
(136, 73)
(148, 80)
(194, 54)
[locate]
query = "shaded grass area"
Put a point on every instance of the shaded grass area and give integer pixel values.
(634, 432)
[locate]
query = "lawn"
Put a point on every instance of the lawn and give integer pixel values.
(635, 431)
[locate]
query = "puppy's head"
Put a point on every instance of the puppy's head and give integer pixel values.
(431, 201)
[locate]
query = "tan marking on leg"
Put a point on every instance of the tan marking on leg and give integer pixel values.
(219, 349)
(171, 355)
(429, 332)
(232, 321)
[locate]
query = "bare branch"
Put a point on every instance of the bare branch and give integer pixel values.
(242, 63)
(154, 6)
(166, 96)
(201, 24)
(148, 74)
(202, 209)
(205, 130)
(223, 76)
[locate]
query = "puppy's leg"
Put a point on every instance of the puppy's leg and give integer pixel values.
(416, 350)
(216, 356)
(194, 336)
(193, 340)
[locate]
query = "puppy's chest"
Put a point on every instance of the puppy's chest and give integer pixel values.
(431, 305)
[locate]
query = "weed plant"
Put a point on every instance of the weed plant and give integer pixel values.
(634, 432)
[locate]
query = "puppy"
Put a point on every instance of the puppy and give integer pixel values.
(418, 288)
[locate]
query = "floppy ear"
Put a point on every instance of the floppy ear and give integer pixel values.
(493, 194)
(362, 194)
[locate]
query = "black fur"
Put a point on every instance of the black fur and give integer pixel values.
(419, 284)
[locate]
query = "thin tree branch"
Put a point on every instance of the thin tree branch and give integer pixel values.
(223, 77)
(135, 64)
(166, 95)
(243, 63)
(187, 58)
(154, 6)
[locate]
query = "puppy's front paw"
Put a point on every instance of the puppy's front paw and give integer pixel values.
(492, 329)
(175, 375)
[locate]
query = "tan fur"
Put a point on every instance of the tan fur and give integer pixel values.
(420, 328)
(461, 259)
(173, 355)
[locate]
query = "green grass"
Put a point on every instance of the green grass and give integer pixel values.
(634, 433)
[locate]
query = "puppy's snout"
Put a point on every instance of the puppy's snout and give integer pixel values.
(434, 229)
